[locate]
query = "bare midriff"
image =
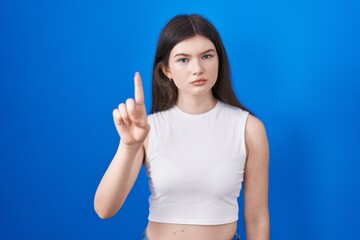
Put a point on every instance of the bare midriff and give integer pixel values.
(166, 231)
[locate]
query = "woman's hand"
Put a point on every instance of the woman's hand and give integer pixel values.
(130, 118)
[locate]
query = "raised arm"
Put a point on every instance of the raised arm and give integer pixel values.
(131, 124)
(256, 213)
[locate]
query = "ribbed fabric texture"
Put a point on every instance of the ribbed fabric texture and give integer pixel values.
(195, 164)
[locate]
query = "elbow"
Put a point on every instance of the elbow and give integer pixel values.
(102, 211)
(258, 223)
(259, 218)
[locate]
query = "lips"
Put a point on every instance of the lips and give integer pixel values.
(199, 82)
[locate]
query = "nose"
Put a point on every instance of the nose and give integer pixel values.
(197, 68)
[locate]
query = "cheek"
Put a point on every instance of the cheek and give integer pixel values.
(174, 69)
(214, 69)
(178, 73)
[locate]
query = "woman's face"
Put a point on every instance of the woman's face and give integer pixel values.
(193, 66)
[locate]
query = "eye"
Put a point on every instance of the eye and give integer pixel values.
(207, 56)
(183, 60)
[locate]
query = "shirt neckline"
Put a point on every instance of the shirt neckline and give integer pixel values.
(199, 115)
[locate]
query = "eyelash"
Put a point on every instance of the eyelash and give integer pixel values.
(184, 60)
(208, 56)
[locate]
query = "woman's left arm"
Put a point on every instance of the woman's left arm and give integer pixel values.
(256, 212)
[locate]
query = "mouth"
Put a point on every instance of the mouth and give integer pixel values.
(199, 82)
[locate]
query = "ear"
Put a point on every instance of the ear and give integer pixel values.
(166, 71)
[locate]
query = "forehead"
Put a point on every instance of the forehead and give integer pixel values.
(193, 46)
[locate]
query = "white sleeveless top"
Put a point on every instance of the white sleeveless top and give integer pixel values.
(195, 164)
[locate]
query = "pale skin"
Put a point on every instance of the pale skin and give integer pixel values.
(192, 59)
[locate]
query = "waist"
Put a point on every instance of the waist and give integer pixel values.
(166, 231)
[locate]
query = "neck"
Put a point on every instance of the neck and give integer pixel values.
(196, 104)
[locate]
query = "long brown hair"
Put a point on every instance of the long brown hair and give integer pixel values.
(179, 28)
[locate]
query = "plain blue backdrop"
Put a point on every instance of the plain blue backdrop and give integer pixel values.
(64, 65)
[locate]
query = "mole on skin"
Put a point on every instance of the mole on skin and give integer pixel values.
(182, 230)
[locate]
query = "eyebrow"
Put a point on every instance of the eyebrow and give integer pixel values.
(187, 55)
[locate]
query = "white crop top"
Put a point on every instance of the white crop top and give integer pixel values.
(195, 164)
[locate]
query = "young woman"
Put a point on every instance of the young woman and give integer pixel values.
(198, 145)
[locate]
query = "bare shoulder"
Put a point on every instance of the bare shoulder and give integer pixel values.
(255, 134)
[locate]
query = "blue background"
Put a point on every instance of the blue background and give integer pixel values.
(64, 65)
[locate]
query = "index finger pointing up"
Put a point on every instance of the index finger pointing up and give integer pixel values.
(139, 91)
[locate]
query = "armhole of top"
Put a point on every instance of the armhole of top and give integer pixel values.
(246, 116)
